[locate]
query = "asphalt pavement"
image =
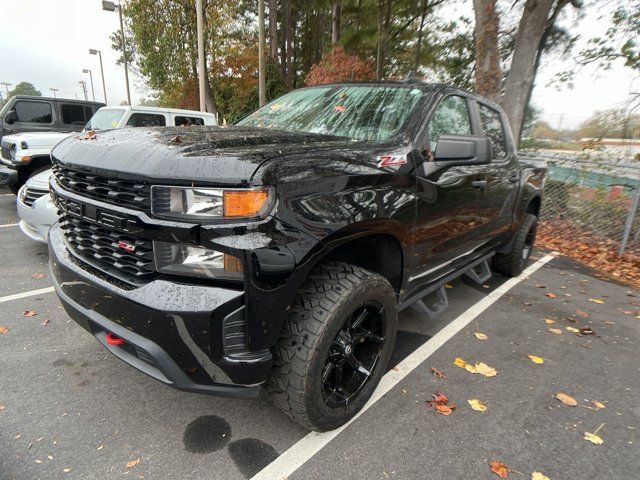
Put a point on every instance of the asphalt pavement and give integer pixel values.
(69, 409)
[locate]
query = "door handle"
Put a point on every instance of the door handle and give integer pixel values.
(479, 184)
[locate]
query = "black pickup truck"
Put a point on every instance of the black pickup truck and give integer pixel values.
(277, 252)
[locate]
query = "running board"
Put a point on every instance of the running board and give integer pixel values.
(479, 273)
(432, 304)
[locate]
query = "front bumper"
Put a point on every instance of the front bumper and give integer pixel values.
(35, 221)
(173, 332)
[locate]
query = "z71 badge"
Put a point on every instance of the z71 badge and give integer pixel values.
(391, 160)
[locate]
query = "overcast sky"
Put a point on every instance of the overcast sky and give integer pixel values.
(47, 42)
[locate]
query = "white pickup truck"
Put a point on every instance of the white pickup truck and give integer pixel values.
(35, 209)
(27, 154)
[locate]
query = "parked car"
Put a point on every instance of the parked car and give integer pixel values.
(30, 153)
(34, 206)
(277, 252)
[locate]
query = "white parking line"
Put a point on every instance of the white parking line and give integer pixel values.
(8, 225)
(299, 453)
(30, 293)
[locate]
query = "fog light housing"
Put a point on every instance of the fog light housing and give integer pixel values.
(182, 259)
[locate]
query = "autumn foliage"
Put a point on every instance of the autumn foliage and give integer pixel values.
(338, 66)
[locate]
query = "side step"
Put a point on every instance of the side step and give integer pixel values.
(432, 304)
(479, 273)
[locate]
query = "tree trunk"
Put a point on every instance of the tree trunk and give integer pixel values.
(335, 23)
(416, 63)
(488, 74)
(209, 101)
(273, 30)
(286, 20)
(384, 19)
(521, 73)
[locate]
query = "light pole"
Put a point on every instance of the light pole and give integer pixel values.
(93, 93)
(111, 7)
(93, 51)
(83, 84)
(54, 90)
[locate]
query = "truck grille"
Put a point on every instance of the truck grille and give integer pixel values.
(31, 195)
(108, 248)
(124, 193)
(7, 149)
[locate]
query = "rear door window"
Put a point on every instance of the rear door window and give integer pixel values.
(450, 118)
(493, 128)
(33, 112)
(74, 114)
(146, 120)
(183, 121)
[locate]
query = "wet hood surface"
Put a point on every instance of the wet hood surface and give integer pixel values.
(216, 155)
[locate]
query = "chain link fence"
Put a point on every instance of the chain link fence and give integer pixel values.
(592, 197)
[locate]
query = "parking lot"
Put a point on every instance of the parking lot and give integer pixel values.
(69, 409)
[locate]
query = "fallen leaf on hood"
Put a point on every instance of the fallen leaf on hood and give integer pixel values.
(133, 463)
(486, 370)
(438, 373)
(38, 275)
(550, 295)
(557, 331)
(176, 139)
(566, 399)
(596, 300)
(597, 404)
(586, 330)
(481, 336)
(89, 135)
(3, 330)
(29, 313)
(535, 359)
(459, 362)
(573, 330)
(582, 314)
(45, 322)
(499, 468)
(477, 405)
(549, 321)
(538, 476)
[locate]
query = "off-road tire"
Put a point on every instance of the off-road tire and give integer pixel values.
(513, 263)
(331, 293)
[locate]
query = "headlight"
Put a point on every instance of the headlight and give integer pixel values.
(210, 203)
(182, 259)
(22, 193)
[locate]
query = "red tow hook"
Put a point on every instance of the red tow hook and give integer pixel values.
(113, 340)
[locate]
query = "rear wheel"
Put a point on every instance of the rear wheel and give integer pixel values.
(335, 346)
(514, 262)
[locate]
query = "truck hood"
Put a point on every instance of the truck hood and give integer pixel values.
(213, 155)
(37, 139)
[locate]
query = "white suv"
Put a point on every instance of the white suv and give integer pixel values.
(35, 209)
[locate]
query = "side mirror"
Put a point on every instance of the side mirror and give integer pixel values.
(463, 150)
(11, 117)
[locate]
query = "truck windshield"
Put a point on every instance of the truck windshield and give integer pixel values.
(358, 112)
(105, 118)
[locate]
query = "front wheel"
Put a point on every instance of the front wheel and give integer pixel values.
(514, 262)
(335, 346)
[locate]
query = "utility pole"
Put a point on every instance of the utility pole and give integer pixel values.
(261, 79)
(202, 68)
(111, 7)
(54, 90)
(83, 84)
(93, 93)
(93, 51)
(6, 86)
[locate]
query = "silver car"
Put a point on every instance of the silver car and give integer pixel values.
(35, 208)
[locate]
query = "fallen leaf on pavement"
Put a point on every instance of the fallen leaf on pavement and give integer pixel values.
(550, 295)
(586, 330)
(499, 468)
(133, 463)
(597, 404)
(557, 331)
(566, 399)
(593, 438)
(459, 362)
(3, 330)
(573, 330)
(582, 314)
(45, 322)
(100, 447)
(1, 408)
(29, 313)
(38, 275)
(477, 405)
(535, 359)
(470, 368)
(440, 403)
(448, 285)
(549, 321)
(596, 300)
(445, 409)
(438, 373)
(66, 470)
(486, 370)
(538, 476)
(481, 336)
